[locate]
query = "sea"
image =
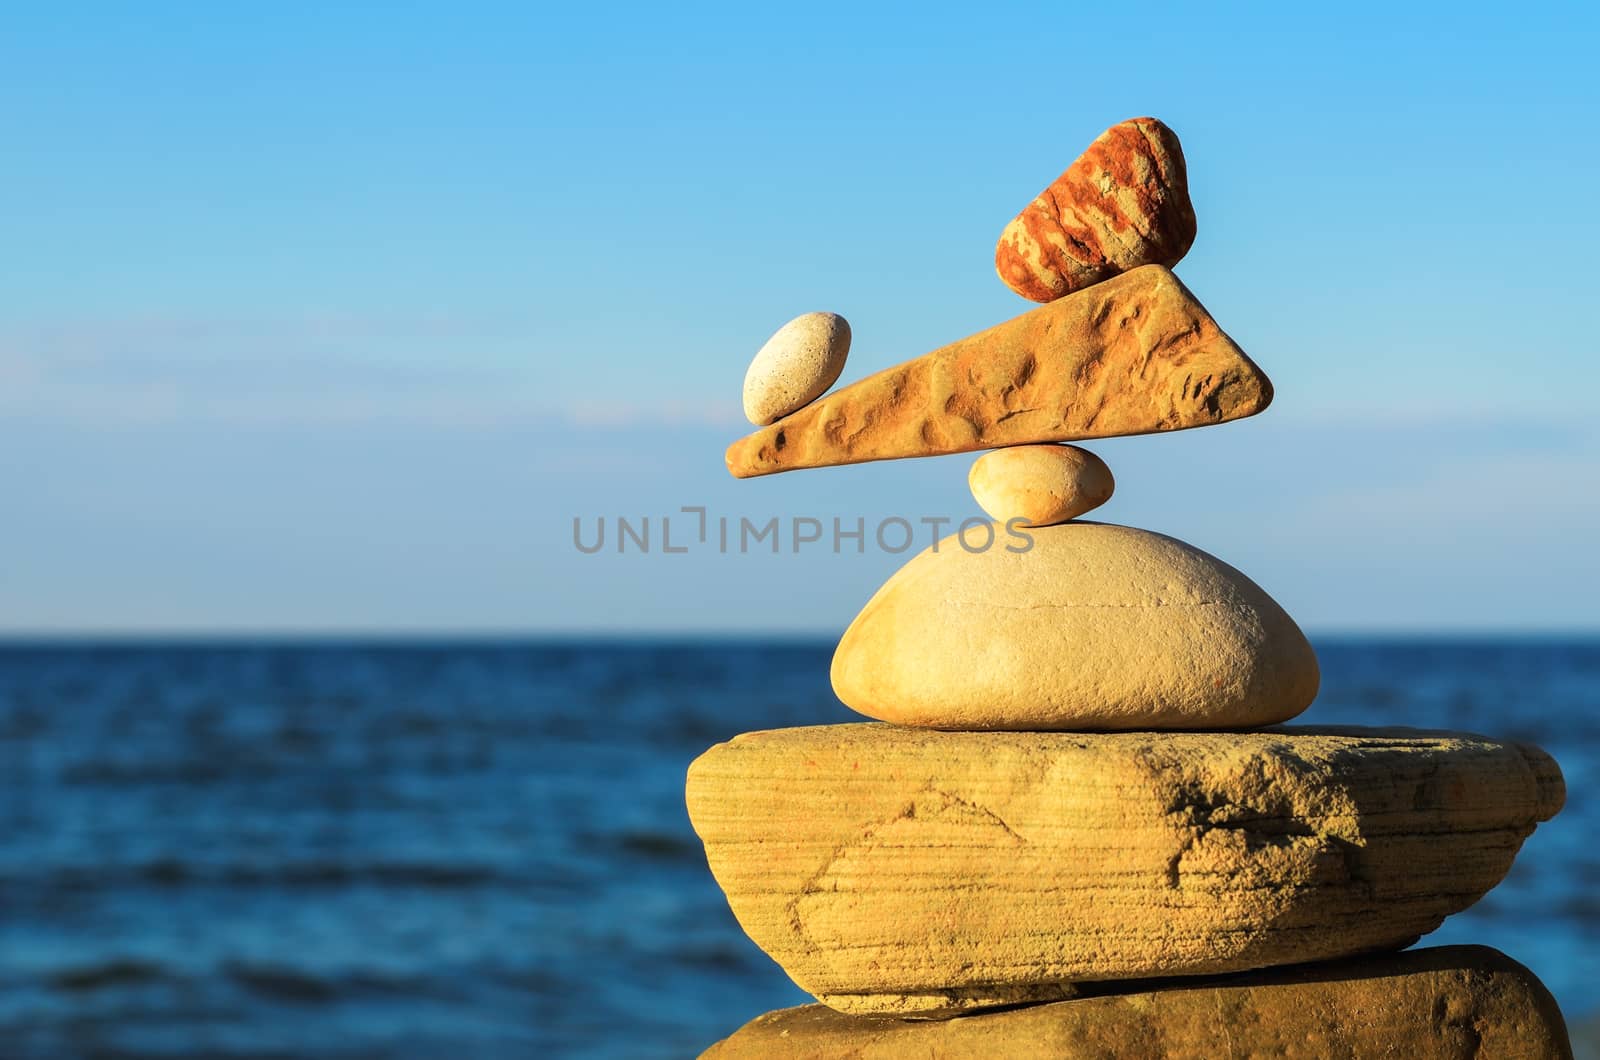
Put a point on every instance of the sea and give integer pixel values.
(479, 849)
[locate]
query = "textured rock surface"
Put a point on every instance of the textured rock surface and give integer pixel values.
(1133, 355)
(796, 366)
(1040, 484)
(1450, 1003)
(1122, 204)
(908, 871)
(1096, 627)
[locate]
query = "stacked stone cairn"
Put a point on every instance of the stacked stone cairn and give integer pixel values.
(1077, 827)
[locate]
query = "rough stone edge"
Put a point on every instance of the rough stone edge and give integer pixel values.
(1472, 960)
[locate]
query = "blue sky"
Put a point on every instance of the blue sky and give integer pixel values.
(335, 320)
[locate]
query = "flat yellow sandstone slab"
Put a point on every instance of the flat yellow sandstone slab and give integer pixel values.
(1450, 1003)
(916, 872)
(1133, 355)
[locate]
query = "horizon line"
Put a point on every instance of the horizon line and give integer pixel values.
(291, 635)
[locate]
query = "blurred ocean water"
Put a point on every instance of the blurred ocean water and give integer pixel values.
(480, 849)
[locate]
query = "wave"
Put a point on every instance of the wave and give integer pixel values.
(116, 972)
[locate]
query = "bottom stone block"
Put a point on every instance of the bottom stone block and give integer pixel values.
(1450, 1001)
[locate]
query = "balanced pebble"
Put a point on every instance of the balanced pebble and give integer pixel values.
(1078, 627)
(796, 366)
(1040, 484)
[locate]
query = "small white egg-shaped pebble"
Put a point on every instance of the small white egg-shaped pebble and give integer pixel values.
(1040, 484)
(796, 366)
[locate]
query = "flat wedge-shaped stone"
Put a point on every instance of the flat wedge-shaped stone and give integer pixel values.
(916, 872)
(1450, 1003)
(1133, 355)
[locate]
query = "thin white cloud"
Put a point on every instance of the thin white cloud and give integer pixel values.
(211, 336)
(427, 371)
(31, 391)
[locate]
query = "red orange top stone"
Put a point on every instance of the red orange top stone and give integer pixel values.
(1122, 204)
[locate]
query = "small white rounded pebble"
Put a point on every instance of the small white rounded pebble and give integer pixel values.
(796, 366)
